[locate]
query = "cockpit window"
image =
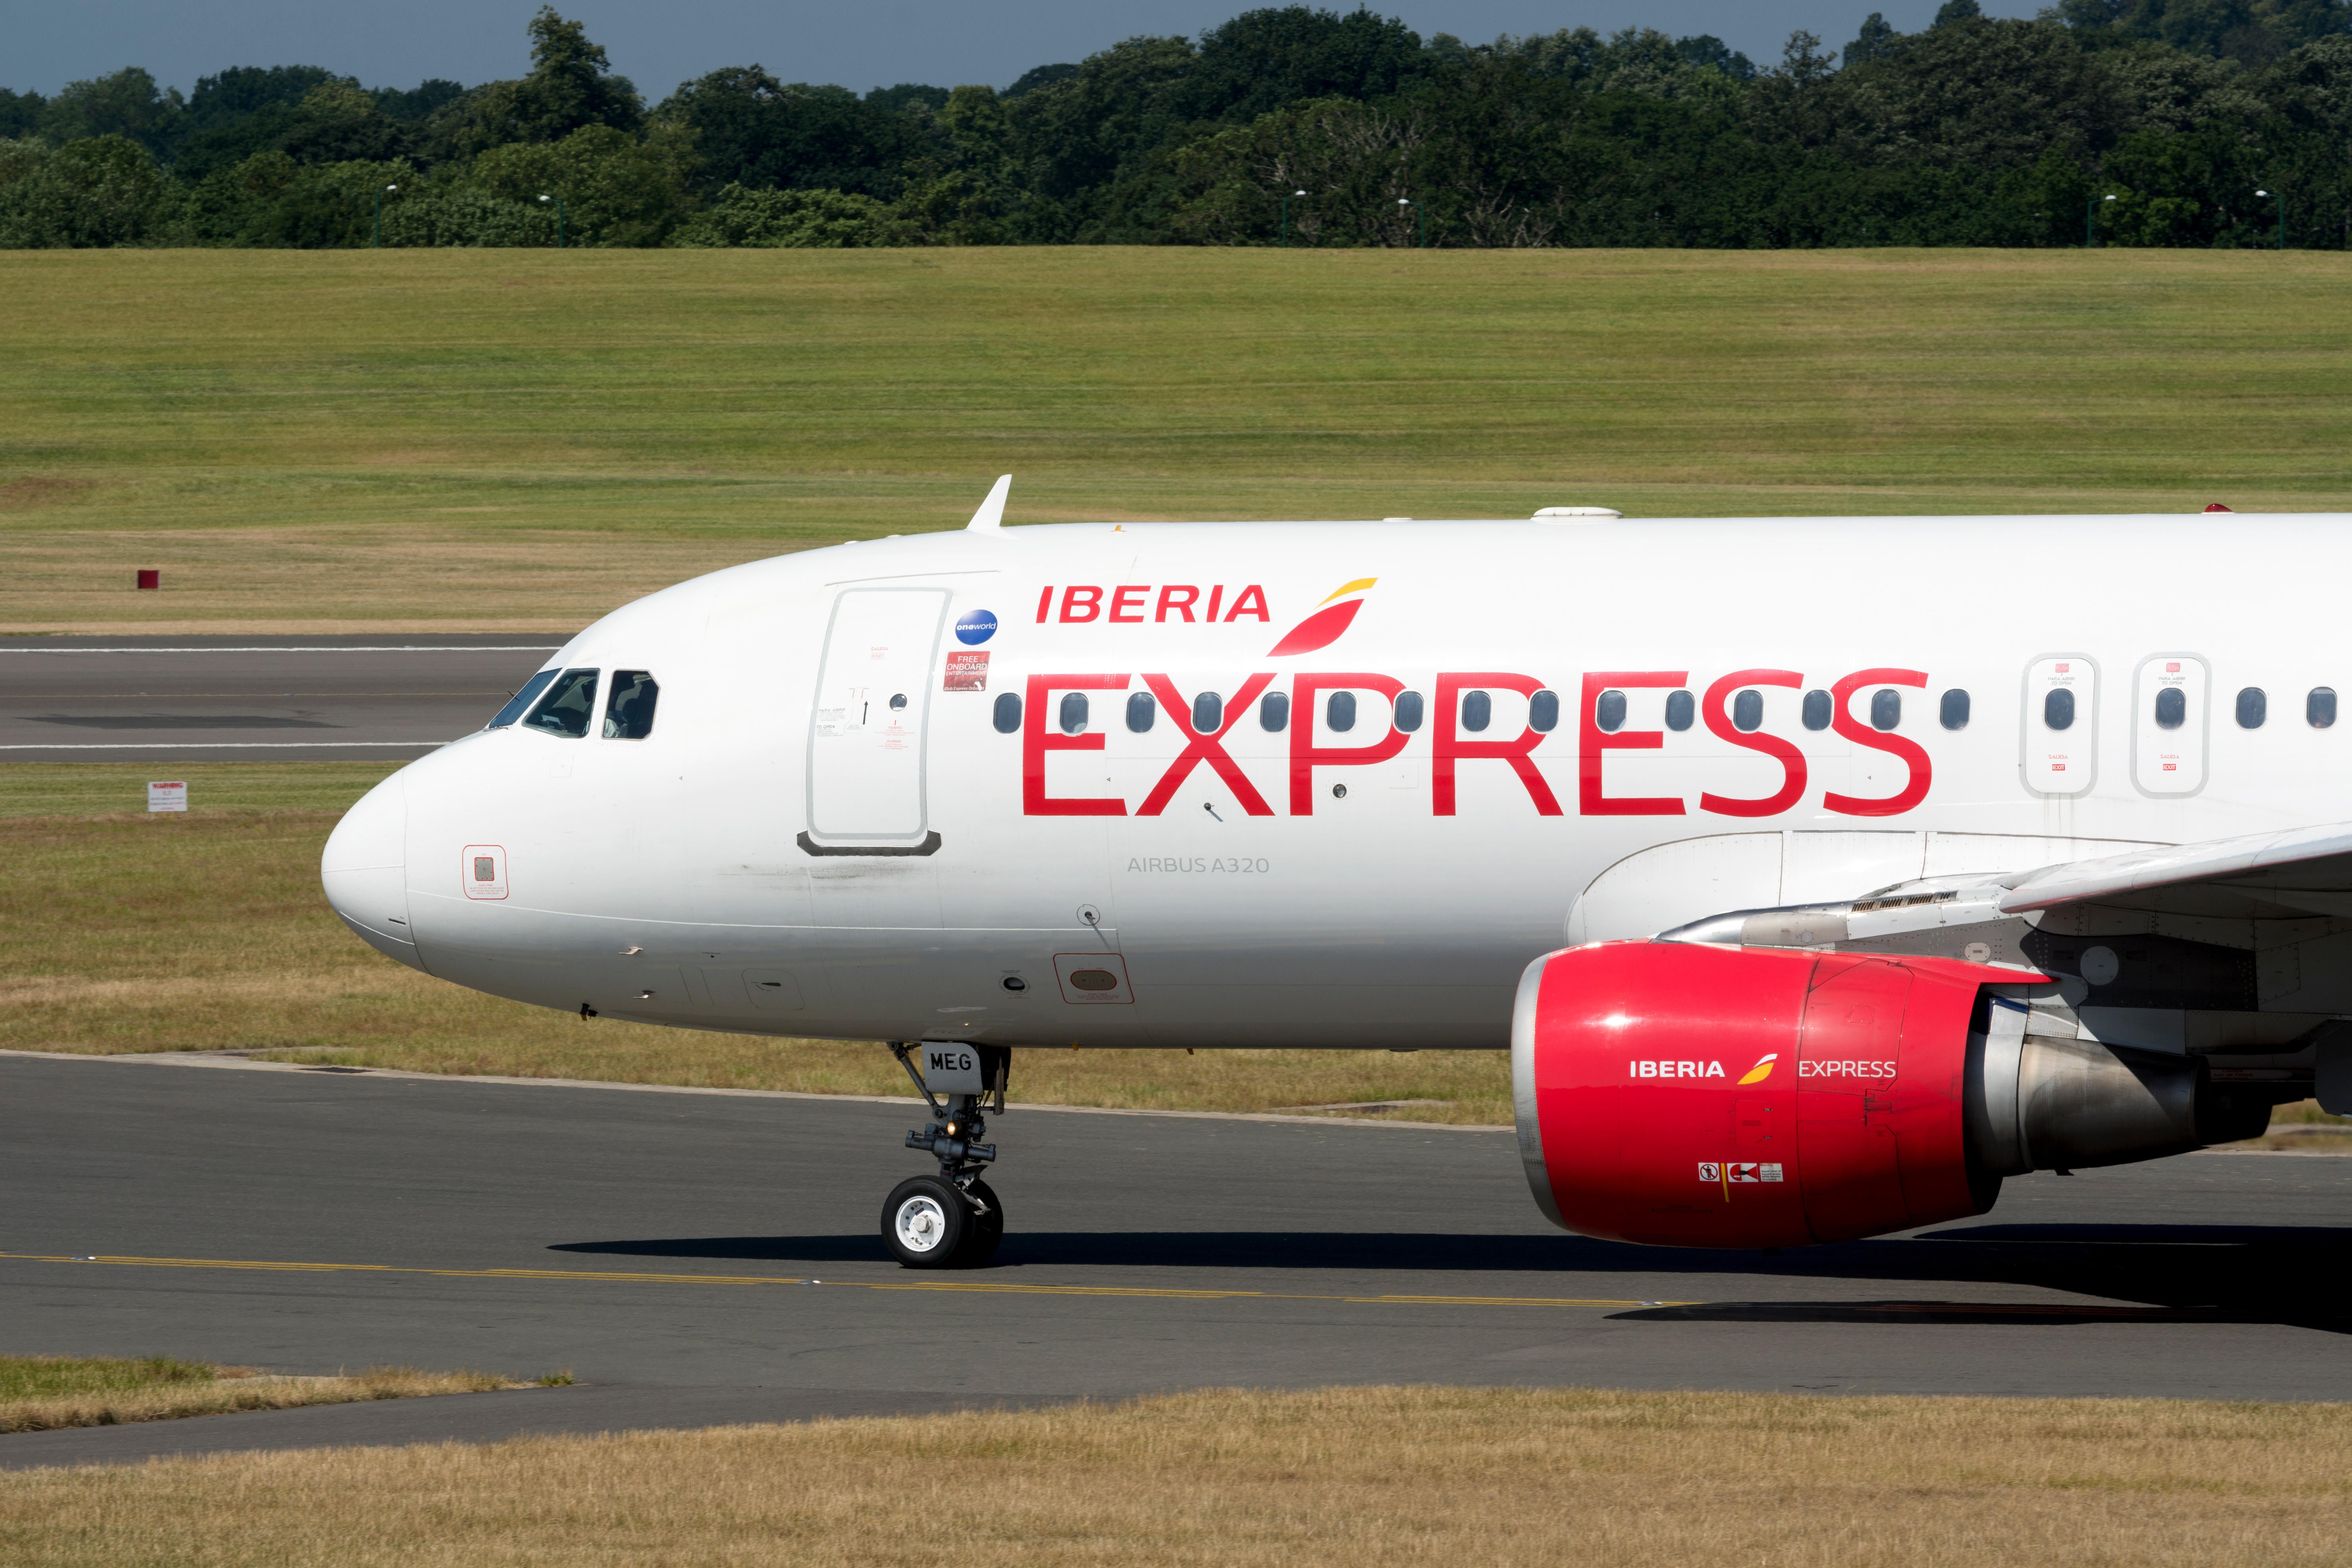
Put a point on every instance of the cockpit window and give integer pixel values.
(568, 706)
(629, 706)
(522, 699)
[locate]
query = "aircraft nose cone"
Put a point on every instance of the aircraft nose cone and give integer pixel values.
(364, 870)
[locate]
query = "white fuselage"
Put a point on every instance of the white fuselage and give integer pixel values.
(787, 853)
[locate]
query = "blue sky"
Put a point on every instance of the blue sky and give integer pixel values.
(859, 44)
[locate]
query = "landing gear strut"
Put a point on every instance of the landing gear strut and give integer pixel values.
(952, 1220)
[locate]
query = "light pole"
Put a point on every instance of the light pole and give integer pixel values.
(1421, 213)
(559, 218)
(2280, 197)
(2091, 222)
(1286, 218)
(378, 242)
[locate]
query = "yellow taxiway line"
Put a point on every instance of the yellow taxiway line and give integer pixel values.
(977, 1287)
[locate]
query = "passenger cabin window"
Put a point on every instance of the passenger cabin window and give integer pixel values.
(1274, 712)
(2253, 707)
(2172, 708)
(1543, 712)
(1142, 712)
(1208, 713)
(569, 705)
(1477, 711)
(1817, 710)
(1340, 713)
(521, 700)
(1747, 710)
(2058, 709)
(1073, 713)
(629, 705)
(1682, 708)
(1954, 712)
(1008, 713)
(1408, 711)
(1608, 711)
(2319, 708)
(1886, 707)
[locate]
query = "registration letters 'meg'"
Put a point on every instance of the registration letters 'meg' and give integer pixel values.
(951, 1069)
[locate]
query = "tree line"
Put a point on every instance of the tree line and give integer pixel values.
(2134, 122)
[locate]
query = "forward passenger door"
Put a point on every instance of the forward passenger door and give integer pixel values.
(869, 729)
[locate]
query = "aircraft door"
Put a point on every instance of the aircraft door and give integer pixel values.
(868, 733)
(2059, 752)
(2168, 725)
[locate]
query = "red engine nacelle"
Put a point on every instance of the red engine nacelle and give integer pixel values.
(1690, 1096)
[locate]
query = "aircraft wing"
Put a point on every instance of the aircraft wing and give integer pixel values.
(2260, 876)
(2263, 890)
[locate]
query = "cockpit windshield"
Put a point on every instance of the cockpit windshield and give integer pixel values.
(521, 700)
(629, 705)
(569, 705)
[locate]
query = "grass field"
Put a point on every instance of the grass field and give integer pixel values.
(521, 440)
(43, 1393)
(207, 931)
(1375, 1476)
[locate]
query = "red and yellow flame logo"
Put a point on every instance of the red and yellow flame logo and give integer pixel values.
(1761, 1070)
(1322, 629)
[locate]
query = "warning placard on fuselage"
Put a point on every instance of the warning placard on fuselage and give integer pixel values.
(950, 1069)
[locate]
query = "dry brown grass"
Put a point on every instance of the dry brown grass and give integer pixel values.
(1369, 1476)
(1458, 1087)
(74, 1392)
(2304, 1128)
(131, 934)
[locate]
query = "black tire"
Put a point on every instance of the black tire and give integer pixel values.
(986, 1228)
(926, 1223)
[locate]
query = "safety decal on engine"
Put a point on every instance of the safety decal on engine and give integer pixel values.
(1714, 1171)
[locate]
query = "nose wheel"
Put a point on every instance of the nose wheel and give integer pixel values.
(953, 1219)
(930, 1223)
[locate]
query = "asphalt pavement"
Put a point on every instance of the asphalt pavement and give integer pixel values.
(163, 699)
(700, 1258)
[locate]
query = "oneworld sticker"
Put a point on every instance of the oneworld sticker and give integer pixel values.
(975, 627)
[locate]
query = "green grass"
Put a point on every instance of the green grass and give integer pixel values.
(63, 1377)
(512, 439)
(43, 1393)
(214, 789)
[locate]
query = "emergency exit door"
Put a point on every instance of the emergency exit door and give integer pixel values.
(867, 735)
(2168, 724)
(2060, 747)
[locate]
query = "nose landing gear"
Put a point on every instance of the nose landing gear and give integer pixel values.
(952, 1220)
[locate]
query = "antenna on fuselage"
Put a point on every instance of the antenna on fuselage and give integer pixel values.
(990, 517)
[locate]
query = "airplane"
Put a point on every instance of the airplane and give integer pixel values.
(1818, 873)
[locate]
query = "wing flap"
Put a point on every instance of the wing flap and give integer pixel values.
(2259, 875)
